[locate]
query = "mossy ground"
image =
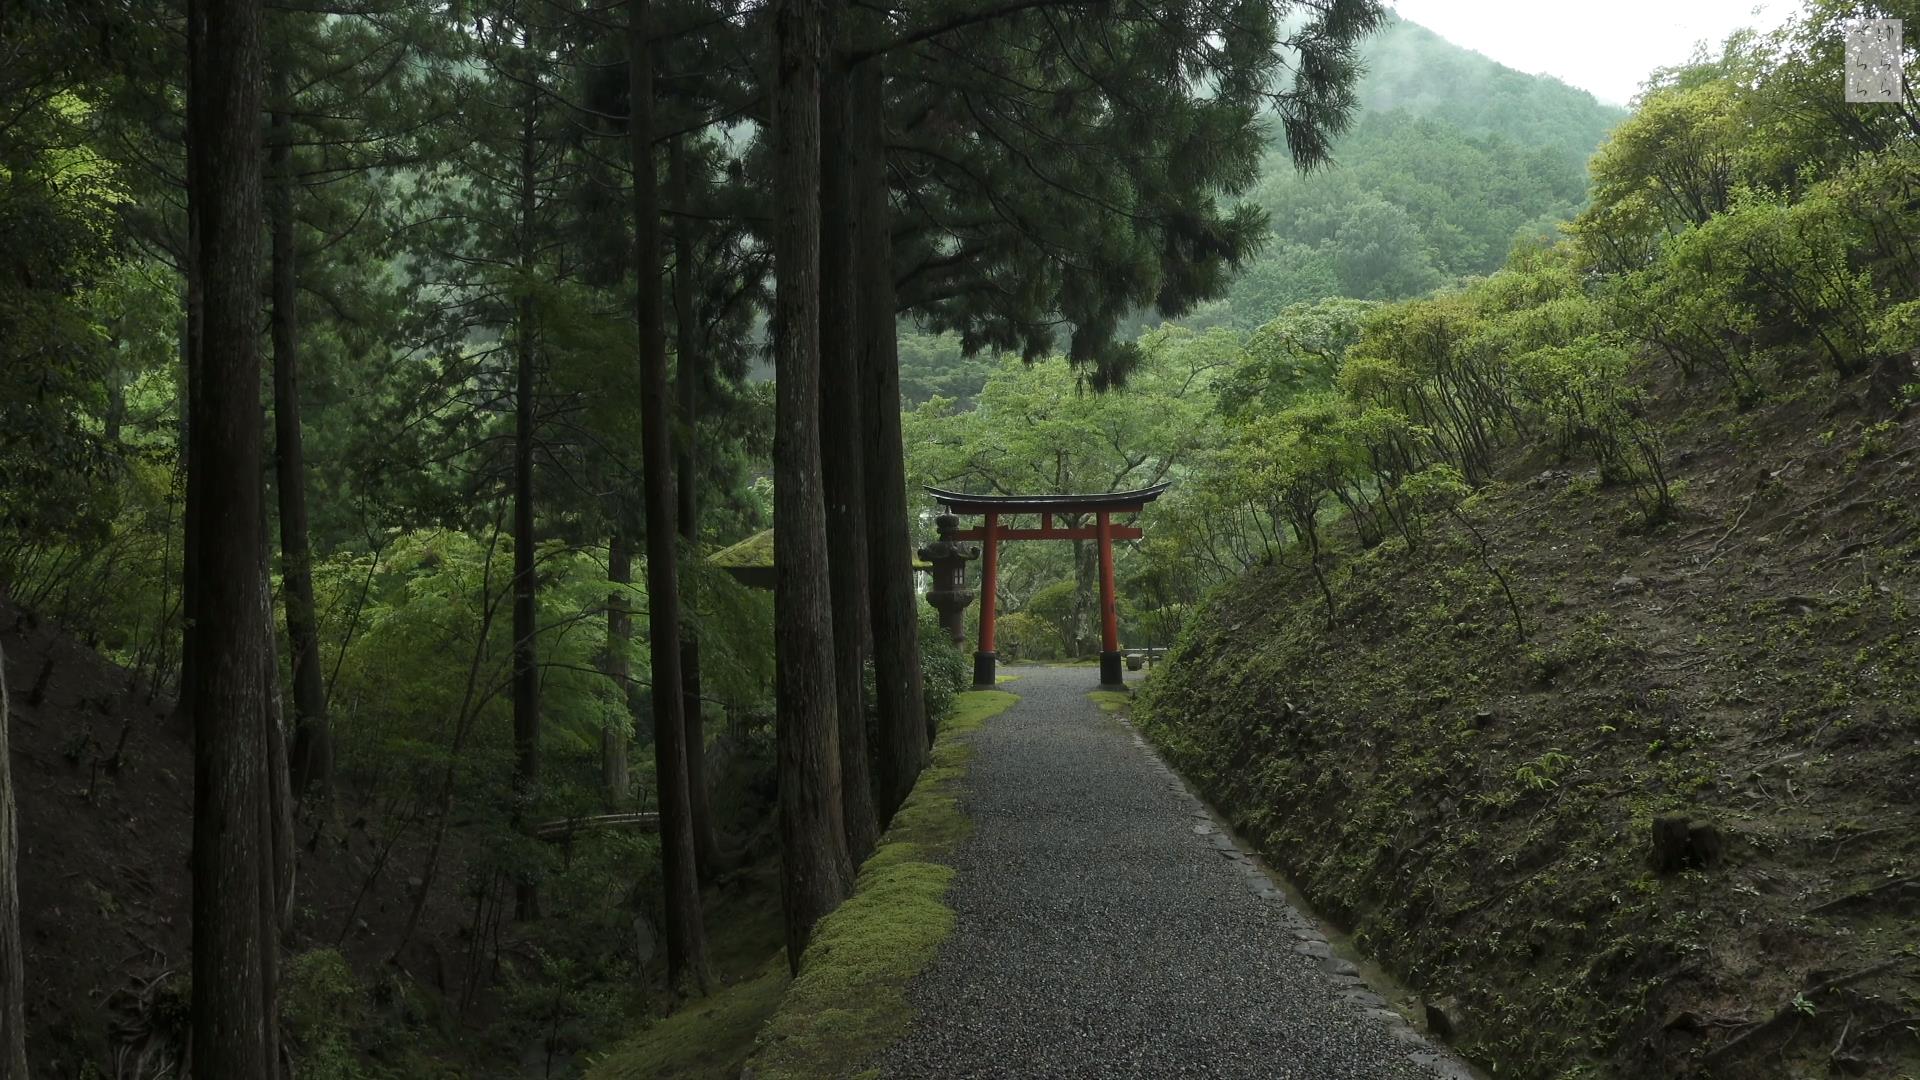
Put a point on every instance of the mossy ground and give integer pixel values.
(1476, 807)
(1111, 701)
(708, 1038)
(849, 1000)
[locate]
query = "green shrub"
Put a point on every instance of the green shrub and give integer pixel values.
(944, 669)
(321, 1006)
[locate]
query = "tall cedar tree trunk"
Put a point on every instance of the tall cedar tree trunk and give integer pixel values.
(182, 719)
(840, 451)
(614, 780)
(234, 934)
(526, 612)
(276, 902)
(691, 368)
(13, 1013)
(816, 873)
(686, 934)
(901, 736)
(312, 761)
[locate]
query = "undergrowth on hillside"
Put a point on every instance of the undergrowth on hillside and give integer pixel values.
(1479, 810)
(1580, 668)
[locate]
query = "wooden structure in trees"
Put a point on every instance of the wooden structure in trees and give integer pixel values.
(750, 562)
(995, 512)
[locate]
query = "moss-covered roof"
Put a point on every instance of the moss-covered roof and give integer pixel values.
(756, 553)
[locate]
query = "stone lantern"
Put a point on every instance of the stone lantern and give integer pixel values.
(949, 594)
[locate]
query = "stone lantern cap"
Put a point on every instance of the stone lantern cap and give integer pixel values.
(946, 548)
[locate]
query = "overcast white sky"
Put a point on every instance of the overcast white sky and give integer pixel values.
(1606, 48)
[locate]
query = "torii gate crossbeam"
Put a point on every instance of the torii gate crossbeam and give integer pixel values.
(992, 509)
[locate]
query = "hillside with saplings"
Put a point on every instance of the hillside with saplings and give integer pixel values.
(1585, 687)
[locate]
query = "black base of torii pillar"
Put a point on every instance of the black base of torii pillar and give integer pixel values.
(984, 675)
(984, 658)
(991, 508)
(1109, 609)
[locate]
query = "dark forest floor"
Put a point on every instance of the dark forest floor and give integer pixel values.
(105, 792)
(104, 779)
(104, 782)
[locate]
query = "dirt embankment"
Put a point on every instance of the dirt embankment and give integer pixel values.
(105, 789)
(104, 779)
(1479, 801)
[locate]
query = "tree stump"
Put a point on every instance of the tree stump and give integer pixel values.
(1682, 844)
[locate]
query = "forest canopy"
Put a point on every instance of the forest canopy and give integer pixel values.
(375, 383)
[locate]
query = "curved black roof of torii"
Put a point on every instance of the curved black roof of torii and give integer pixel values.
(1111, 501)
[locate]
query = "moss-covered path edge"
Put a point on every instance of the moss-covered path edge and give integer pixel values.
(849, 1000)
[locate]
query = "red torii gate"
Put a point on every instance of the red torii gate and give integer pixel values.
(992, 508)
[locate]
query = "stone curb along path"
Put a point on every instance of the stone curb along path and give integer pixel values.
(1309, 941)
(1108, 926)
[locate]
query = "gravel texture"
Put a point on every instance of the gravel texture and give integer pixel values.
(1107, 927)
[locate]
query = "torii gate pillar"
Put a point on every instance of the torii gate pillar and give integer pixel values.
(984, 658)
(1110, 670)
(1100, 507)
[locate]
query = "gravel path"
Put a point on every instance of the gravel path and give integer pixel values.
(1107, 928)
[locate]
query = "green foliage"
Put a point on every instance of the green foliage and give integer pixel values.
(706, 1040)
(1298, 352)
(322, 1006)
(1771, 278)
(430, 660)
(1020, 636)
(1584, 394)
(1673, 164)
(1785, 79)
(417, 650)
(1380, 254)
(1287, 272)
(935, 365)
(88, 420)
(65, 303)
(735, 626)
(1014, 240)
(1753, 226)
(1542, 772)
(945, 670)
(1058, 608)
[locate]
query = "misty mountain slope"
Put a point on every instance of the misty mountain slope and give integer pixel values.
(1412, 68)
(1451, 159)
